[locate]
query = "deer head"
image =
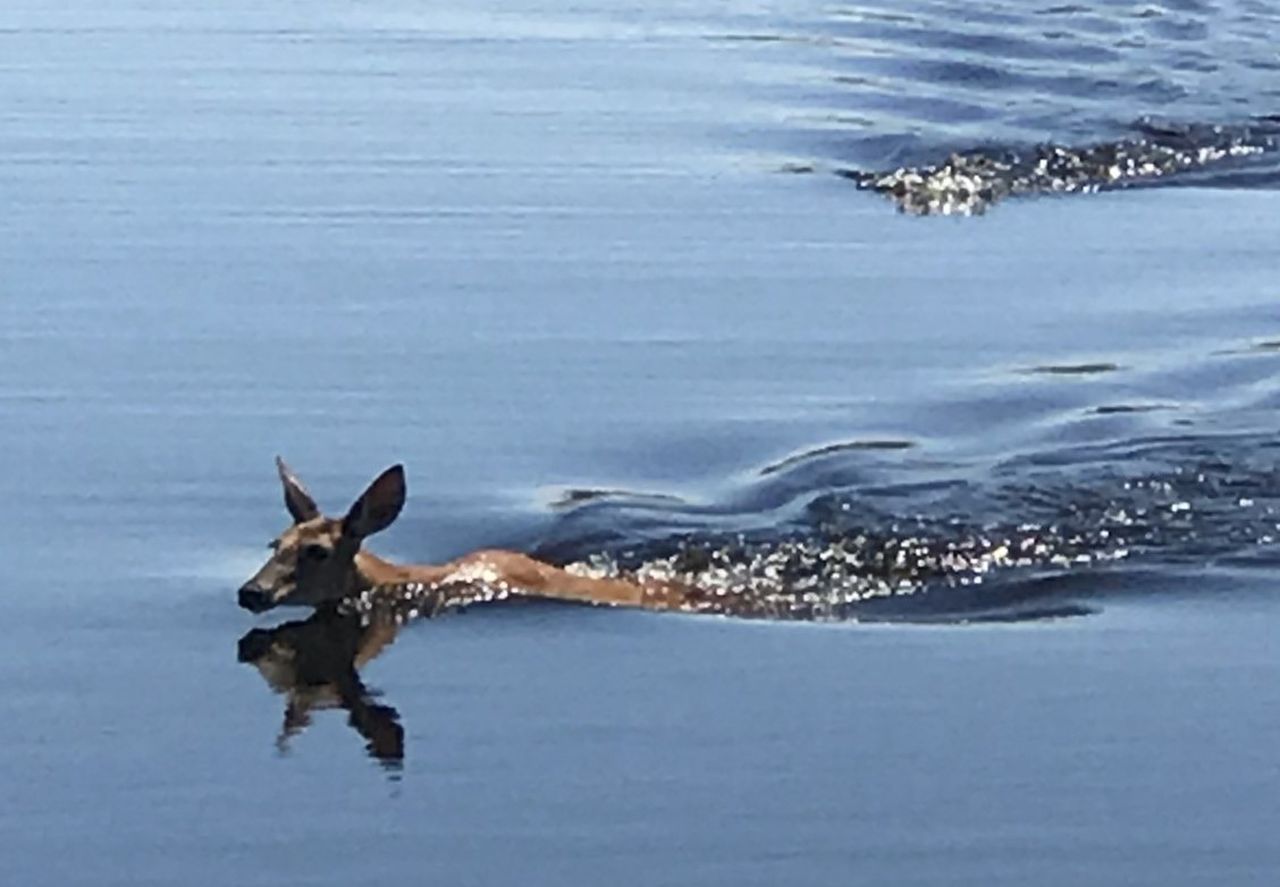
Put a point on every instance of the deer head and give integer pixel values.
(319, 559)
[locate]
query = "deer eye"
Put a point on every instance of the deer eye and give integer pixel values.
(315, 552)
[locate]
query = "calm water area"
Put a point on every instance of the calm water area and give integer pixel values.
(584, 270)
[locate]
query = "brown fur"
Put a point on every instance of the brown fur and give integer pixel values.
(321, 559)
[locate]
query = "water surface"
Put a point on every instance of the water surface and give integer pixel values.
(529, 251)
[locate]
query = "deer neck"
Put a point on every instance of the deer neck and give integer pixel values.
(375, 572)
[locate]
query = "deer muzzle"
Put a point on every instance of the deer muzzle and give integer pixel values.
(254, 599)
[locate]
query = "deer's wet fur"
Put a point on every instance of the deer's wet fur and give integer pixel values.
(319, 561)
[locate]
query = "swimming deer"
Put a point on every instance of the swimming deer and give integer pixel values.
(321, 560)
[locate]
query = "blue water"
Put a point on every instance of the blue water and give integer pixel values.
(531, 250)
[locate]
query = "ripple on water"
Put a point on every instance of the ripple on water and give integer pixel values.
(976, 545)
(946, 108)
(833, 449)
(1075, 369)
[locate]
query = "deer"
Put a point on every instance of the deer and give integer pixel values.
(319, 561)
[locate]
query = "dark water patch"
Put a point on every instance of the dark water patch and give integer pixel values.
(572, 497)
(1263, 347)
(1031, 601)
(1075, 369)
(1120, 409)
(831, 449)
(797, 168)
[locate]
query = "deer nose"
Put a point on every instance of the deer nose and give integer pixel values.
(253, 598)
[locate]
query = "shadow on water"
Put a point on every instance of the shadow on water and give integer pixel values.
(315, 665)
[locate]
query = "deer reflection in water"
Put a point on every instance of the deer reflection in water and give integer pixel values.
(315, 664)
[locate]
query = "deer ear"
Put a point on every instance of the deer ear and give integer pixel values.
(377, 506)
(296, 498)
